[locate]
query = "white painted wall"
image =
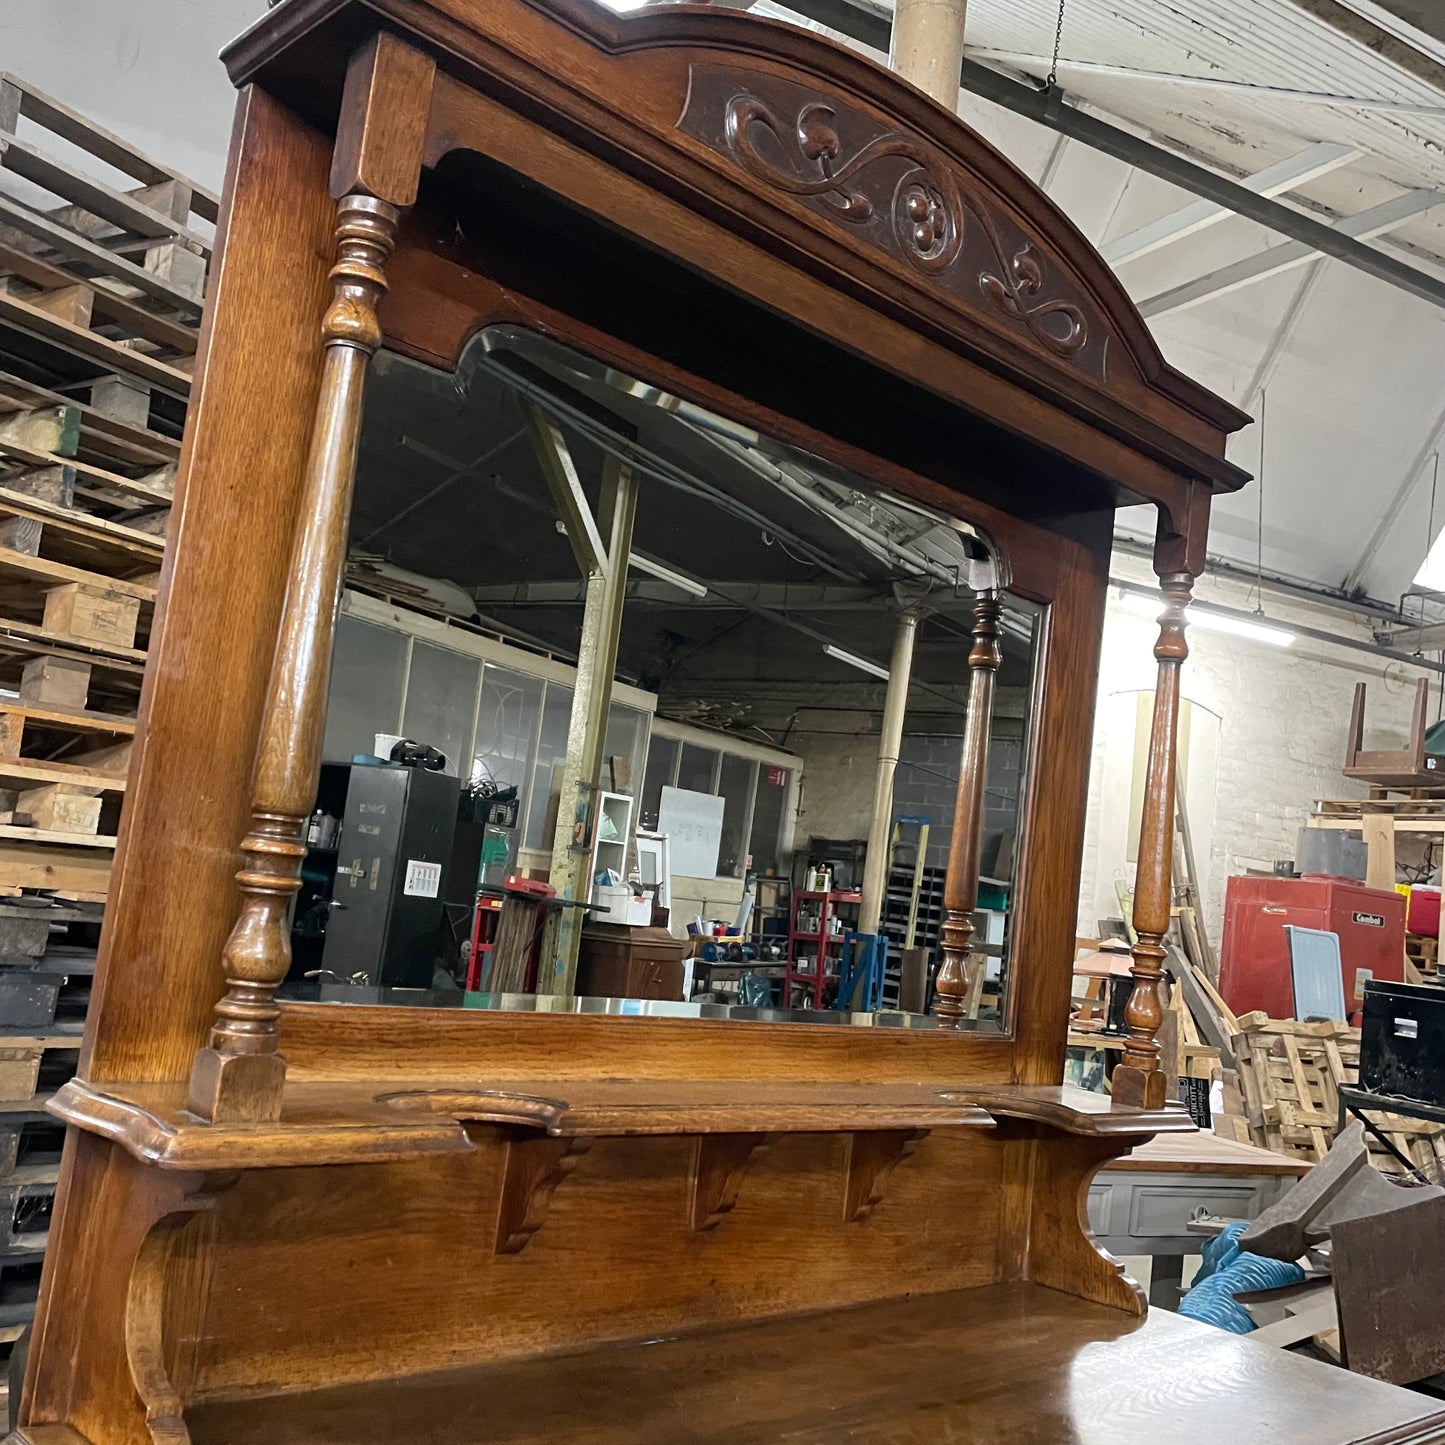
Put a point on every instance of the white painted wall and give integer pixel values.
(145, 69)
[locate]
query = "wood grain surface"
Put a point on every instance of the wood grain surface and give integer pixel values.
(1013, 1363)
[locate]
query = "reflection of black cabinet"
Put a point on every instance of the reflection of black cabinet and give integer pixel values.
(386, 903)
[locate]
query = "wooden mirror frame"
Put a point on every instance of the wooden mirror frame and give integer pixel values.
(953, 293)
(1120, 427)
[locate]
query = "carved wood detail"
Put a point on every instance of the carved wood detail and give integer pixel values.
(238, 1078)
(536, 1165)
(720, 1161)
(872, 1158)
(145, 1310)
(1138, 1079)
(960, 886)
(899, 192)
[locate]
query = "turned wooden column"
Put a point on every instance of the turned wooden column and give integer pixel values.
(376, 166)
(960, 888)
(1138, 1079)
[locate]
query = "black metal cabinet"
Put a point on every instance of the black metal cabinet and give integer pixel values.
(396, 841)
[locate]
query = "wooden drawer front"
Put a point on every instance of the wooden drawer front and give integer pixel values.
(1157, 1210)
(1101, 1208)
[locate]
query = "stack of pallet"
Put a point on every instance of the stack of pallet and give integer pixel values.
(103, 257)
(1289, 1075)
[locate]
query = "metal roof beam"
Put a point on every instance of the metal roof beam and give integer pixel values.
(1049, 107)
(1287, 175)
(1025, 61)
(1374, 222)
(1386, 524)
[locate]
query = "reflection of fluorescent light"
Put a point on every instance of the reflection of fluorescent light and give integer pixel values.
(853, 660)
(666, 574)
(1432, 569)
(1148, 605)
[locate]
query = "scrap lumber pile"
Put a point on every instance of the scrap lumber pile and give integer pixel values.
(1289, 1075)
(103, 261)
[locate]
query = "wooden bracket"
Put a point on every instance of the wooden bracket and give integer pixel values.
(719, 1163)
(536, 1165)
(872, 1157)
(147, 1296)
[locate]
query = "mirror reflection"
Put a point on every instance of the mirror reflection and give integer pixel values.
(633, 710)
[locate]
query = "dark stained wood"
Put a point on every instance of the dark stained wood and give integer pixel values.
(1015, 1363)
(1394, 768)
(960, 888)
(605, 57)
(1138, 1079)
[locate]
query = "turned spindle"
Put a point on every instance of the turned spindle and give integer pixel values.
(1138, 1079)
(960, 888)
(238, 1077)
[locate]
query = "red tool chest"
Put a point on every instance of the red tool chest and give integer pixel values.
(1254, 961)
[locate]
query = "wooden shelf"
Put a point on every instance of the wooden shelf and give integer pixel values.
(1047, 1368)
(361, 1120)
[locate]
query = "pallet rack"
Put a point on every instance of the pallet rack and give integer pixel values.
(102, 276)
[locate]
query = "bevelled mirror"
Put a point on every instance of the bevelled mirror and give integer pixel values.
(555, 783)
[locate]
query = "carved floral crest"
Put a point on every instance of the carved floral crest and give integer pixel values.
(898, 190)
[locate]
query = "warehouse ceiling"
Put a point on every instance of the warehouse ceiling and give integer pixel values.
(1350, 365)
(1344, 367)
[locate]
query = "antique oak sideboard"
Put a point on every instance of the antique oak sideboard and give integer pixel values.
(322, 1223)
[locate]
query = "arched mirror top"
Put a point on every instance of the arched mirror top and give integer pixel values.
(685, 124)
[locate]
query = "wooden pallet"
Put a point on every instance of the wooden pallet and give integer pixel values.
(110, 267)
(1289, 1078)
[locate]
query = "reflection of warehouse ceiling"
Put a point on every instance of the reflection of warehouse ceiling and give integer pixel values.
(793, 551)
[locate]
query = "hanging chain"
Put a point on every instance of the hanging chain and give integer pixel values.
(1058, 45)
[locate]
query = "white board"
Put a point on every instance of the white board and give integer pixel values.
(692, 823)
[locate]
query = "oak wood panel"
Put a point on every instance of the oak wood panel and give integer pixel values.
(1012, 1363)
(333, 1042)
(1050, 846)
(409, 1249)
(78, 1371)
(173, 896)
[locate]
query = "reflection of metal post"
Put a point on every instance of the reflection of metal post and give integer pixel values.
(602, 548)
(895, 705)
(960, 888)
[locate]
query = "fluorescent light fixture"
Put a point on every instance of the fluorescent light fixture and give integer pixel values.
(666, 574)
(1432, 570)
(853, 660)
(1149, 605)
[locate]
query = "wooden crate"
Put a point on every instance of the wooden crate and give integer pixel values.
(1289, 1079)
